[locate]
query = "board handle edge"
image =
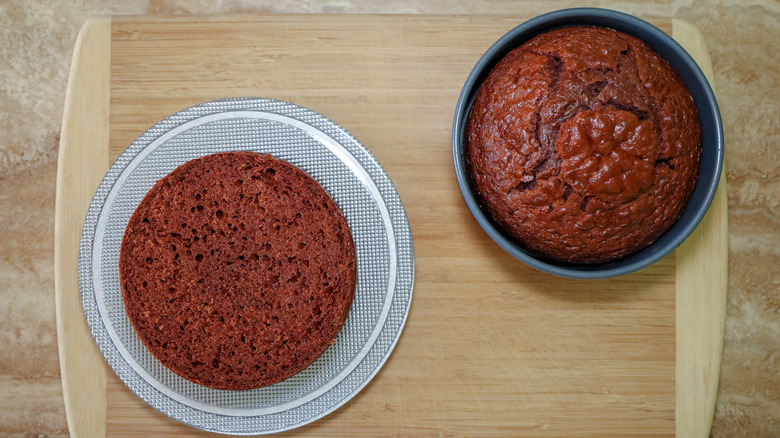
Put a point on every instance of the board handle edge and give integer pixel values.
(81, 163)
(702, 285)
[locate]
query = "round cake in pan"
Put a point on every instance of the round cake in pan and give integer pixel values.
(237, 270)
(584, 144)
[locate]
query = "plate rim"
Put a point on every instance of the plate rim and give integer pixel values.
(398, 225)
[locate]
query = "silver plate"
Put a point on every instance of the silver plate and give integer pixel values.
(360, 187)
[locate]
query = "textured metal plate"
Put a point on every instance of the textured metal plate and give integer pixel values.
(371, 206)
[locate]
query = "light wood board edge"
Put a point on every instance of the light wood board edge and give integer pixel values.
(702, 269)
(701, 278)
(82, 161)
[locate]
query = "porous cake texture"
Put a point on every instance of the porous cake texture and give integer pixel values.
(237, 270)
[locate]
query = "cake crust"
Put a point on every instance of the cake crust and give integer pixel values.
(237, 270)
(584, 144)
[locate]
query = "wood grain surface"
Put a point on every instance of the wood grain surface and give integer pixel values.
(82, 162)
(491, 347)
(701, 289)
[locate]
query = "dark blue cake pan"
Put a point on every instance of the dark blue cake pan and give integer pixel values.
(703, 96)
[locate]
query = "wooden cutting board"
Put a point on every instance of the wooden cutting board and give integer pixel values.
(491, 346)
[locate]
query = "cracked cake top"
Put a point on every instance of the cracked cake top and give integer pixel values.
(584, 144)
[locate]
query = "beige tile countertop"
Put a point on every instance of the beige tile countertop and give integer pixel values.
(36, 43)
